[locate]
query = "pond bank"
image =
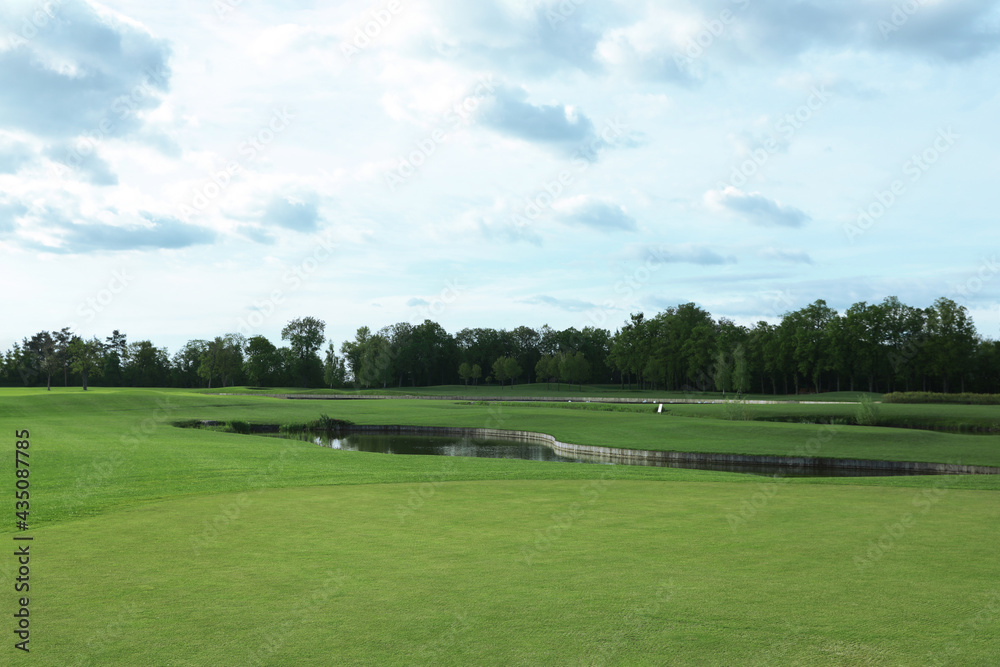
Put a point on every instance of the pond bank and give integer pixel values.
(620, 455)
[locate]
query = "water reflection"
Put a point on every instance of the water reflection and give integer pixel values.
(443, 445)
(439, 446)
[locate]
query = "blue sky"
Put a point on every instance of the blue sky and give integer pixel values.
(183, 170)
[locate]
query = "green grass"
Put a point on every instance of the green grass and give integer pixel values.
(934, 397)
(110, 448)
(162, 545)
(537, 390)
(945, 417)
(942, 416)
(501, 573)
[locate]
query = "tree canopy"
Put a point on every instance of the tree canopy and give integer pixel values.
(885, 346)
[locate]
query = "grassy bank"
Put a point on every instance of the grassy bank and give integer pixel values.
(538, 390)
(932, 397)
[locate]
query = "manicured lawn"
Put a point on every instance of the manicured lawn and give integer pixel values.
(909, 415)
(525, 572)
(160, 545)
(550, 390)
(107, 448)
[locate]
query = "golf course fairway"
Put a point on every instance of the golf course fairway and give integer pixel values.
(153, 544)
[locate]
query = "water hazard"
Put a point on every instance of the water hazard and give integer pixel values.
(447, 445)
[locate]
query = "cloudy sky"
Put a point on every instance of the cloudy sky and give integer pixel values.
(185, 169)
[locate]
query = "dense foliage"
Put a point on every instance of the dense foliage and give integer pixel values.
(884, 347)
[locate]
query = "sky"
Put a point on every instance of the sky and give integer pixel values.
(188, 169)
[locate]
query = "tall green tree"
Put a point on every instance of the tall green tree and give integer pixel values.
(722, 372)
(353, 350)
(500, 370)
(760, 363)
(526, 341)
(305, 335)
(62, 340)
(544, 371)
(85, 357)
(185, 363)
(512, 369)
(574, 368)
(145, 365)
(43, 348)
(334, 368)
(376, 361)
(222, 357)
(951, 341)
(810, 329)
(116, 348)
(261, 363)
(741, 370)
(903, 330)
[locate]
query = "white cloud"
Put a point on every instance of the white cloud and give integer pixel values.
(595, 213)
(755, 207)
(784, 255)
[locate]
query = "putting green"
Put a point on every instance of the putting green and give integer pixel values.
(526, 572)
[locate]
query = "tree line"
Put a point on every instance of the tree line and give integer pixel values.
(887, 346)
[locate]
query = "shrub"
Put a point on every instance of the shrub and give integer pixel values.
(867, 412)
(739, 410)
(237, 426)
(328, 424)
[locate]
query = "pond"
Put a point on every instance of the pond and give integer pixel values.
(448, 445)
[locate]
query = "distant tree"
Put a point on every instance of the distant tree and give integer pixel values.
(574, 368)
(741, 370)
(376, 361)
(477, 372)
(117, 342)
(558, 367)
(262, 361)
(436, 353)
(465, 372)
(500, 370)
(526, 341)
(543, 370)
(950, 342)
(631, 348)
(223, 358)
(903, 326)
(596, 346)
(403, 358)
(582, 368)
(305, 335)
(62, 340)
(353, 351)
(334, 368)
(722, 372)
(809, 338)
(85, 357)
(185, 363)
(512, 369)
(146, 365)
(284, 374)
(43, 347)
(655, 370)
(18, 363)
(116, 347)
